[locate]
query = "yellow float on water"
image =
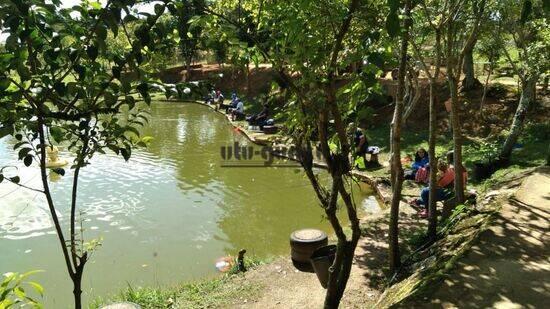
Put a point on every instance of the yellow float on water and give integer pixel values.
(52, 153)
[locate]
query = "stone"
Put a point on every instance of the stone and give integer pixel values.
(124, 305)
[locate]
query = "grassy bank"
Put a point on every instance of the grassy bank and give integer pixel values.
(207, 293)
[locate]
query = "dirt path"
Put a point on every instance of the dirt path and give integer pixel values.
(509, 266)
(282, 286)
(285, 287)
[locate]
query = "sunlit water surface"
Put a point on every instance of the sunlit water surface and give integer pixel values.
(165, 216)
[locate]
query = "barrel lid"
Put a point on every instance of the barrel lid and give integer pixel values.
(308, 234)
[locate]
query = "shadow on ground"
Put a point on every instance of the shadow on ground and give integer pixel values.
(508, 266)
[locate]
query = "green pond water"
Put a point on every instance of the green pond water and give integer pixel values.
(165, 216)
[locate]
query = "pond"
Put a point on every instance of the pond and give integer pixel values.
(165, 216)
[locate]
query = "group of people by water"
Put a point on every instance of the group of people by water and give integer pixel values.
(419, 172)
(235, 108)
(418, 166)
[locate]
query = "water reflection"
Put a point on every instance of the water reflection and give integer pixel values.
(165, 216)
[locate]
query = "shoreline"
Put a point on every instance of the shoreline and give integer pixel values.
(381, 189)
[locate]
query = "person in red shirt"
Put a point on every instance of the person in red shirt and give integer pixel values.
(445, 181)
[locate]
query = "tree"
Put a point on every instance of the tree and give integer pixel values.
(395, 136)
(431, 28)
(310, 59)
(526, 23)
(457, 43)
(61, 83)
(189, 32)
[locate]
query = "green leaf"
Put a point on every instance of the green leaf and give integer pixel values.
(393, 4)
(24, 152)
(133, 130)
(101, 33)
(56, 133)
(17, 145)
(125, 152)
(376, 59)
(114, 149)
(59, 171)
(60, 88)
(392, 24)
(81, 71)
(159, 9)
(24, 72)
(116, 72)
(526, 9)
(4, 83)
(6, 130)
(1, 178)
(92, 52)
(37, 287)
(28, 160)
(15, 179)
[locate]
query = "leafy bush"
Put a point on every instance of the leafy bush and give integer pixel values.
(496, 90)
(484, 151)
(13, 294)
(537, 132)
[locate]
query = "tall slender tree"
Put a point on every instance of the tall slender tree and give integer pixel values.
(395, 139)
(431, 27)
(526, 23)
(61, 83)
(460, 34)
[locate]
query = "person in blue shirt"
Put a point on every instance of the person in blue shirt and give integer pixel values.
(421, 160)
(233, 104)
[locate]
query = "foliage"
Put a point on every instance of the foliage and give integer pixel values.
(537, 132)
(13, 294)
(189, 33)
(485, 151)
(526, 25)
(62, 83)
(497, 90)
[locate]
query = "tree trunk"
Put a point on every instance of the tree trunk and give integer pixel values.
(187, 75)
(59, 231)
(414, 100)
(248, 78)
(77, 291)
(525, 101)
(396, 167)
(470, 82)
(432, 211)
(457, 140)
(548, 156)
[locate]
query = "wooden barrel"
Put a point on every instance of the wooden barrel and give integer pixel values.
(304, 242)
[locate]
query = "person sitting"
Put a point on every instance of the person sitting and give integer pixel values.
(444, 189)
(219, 97)
(362, 148)
(260, 118)
(209, 99)
(237, 113)
(232, 104)
(420, 167)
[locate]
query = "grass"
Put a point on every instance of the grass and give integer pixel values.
(208, 293)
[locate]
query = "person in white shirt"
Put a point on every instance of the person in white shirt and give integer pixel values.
(238, 111)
